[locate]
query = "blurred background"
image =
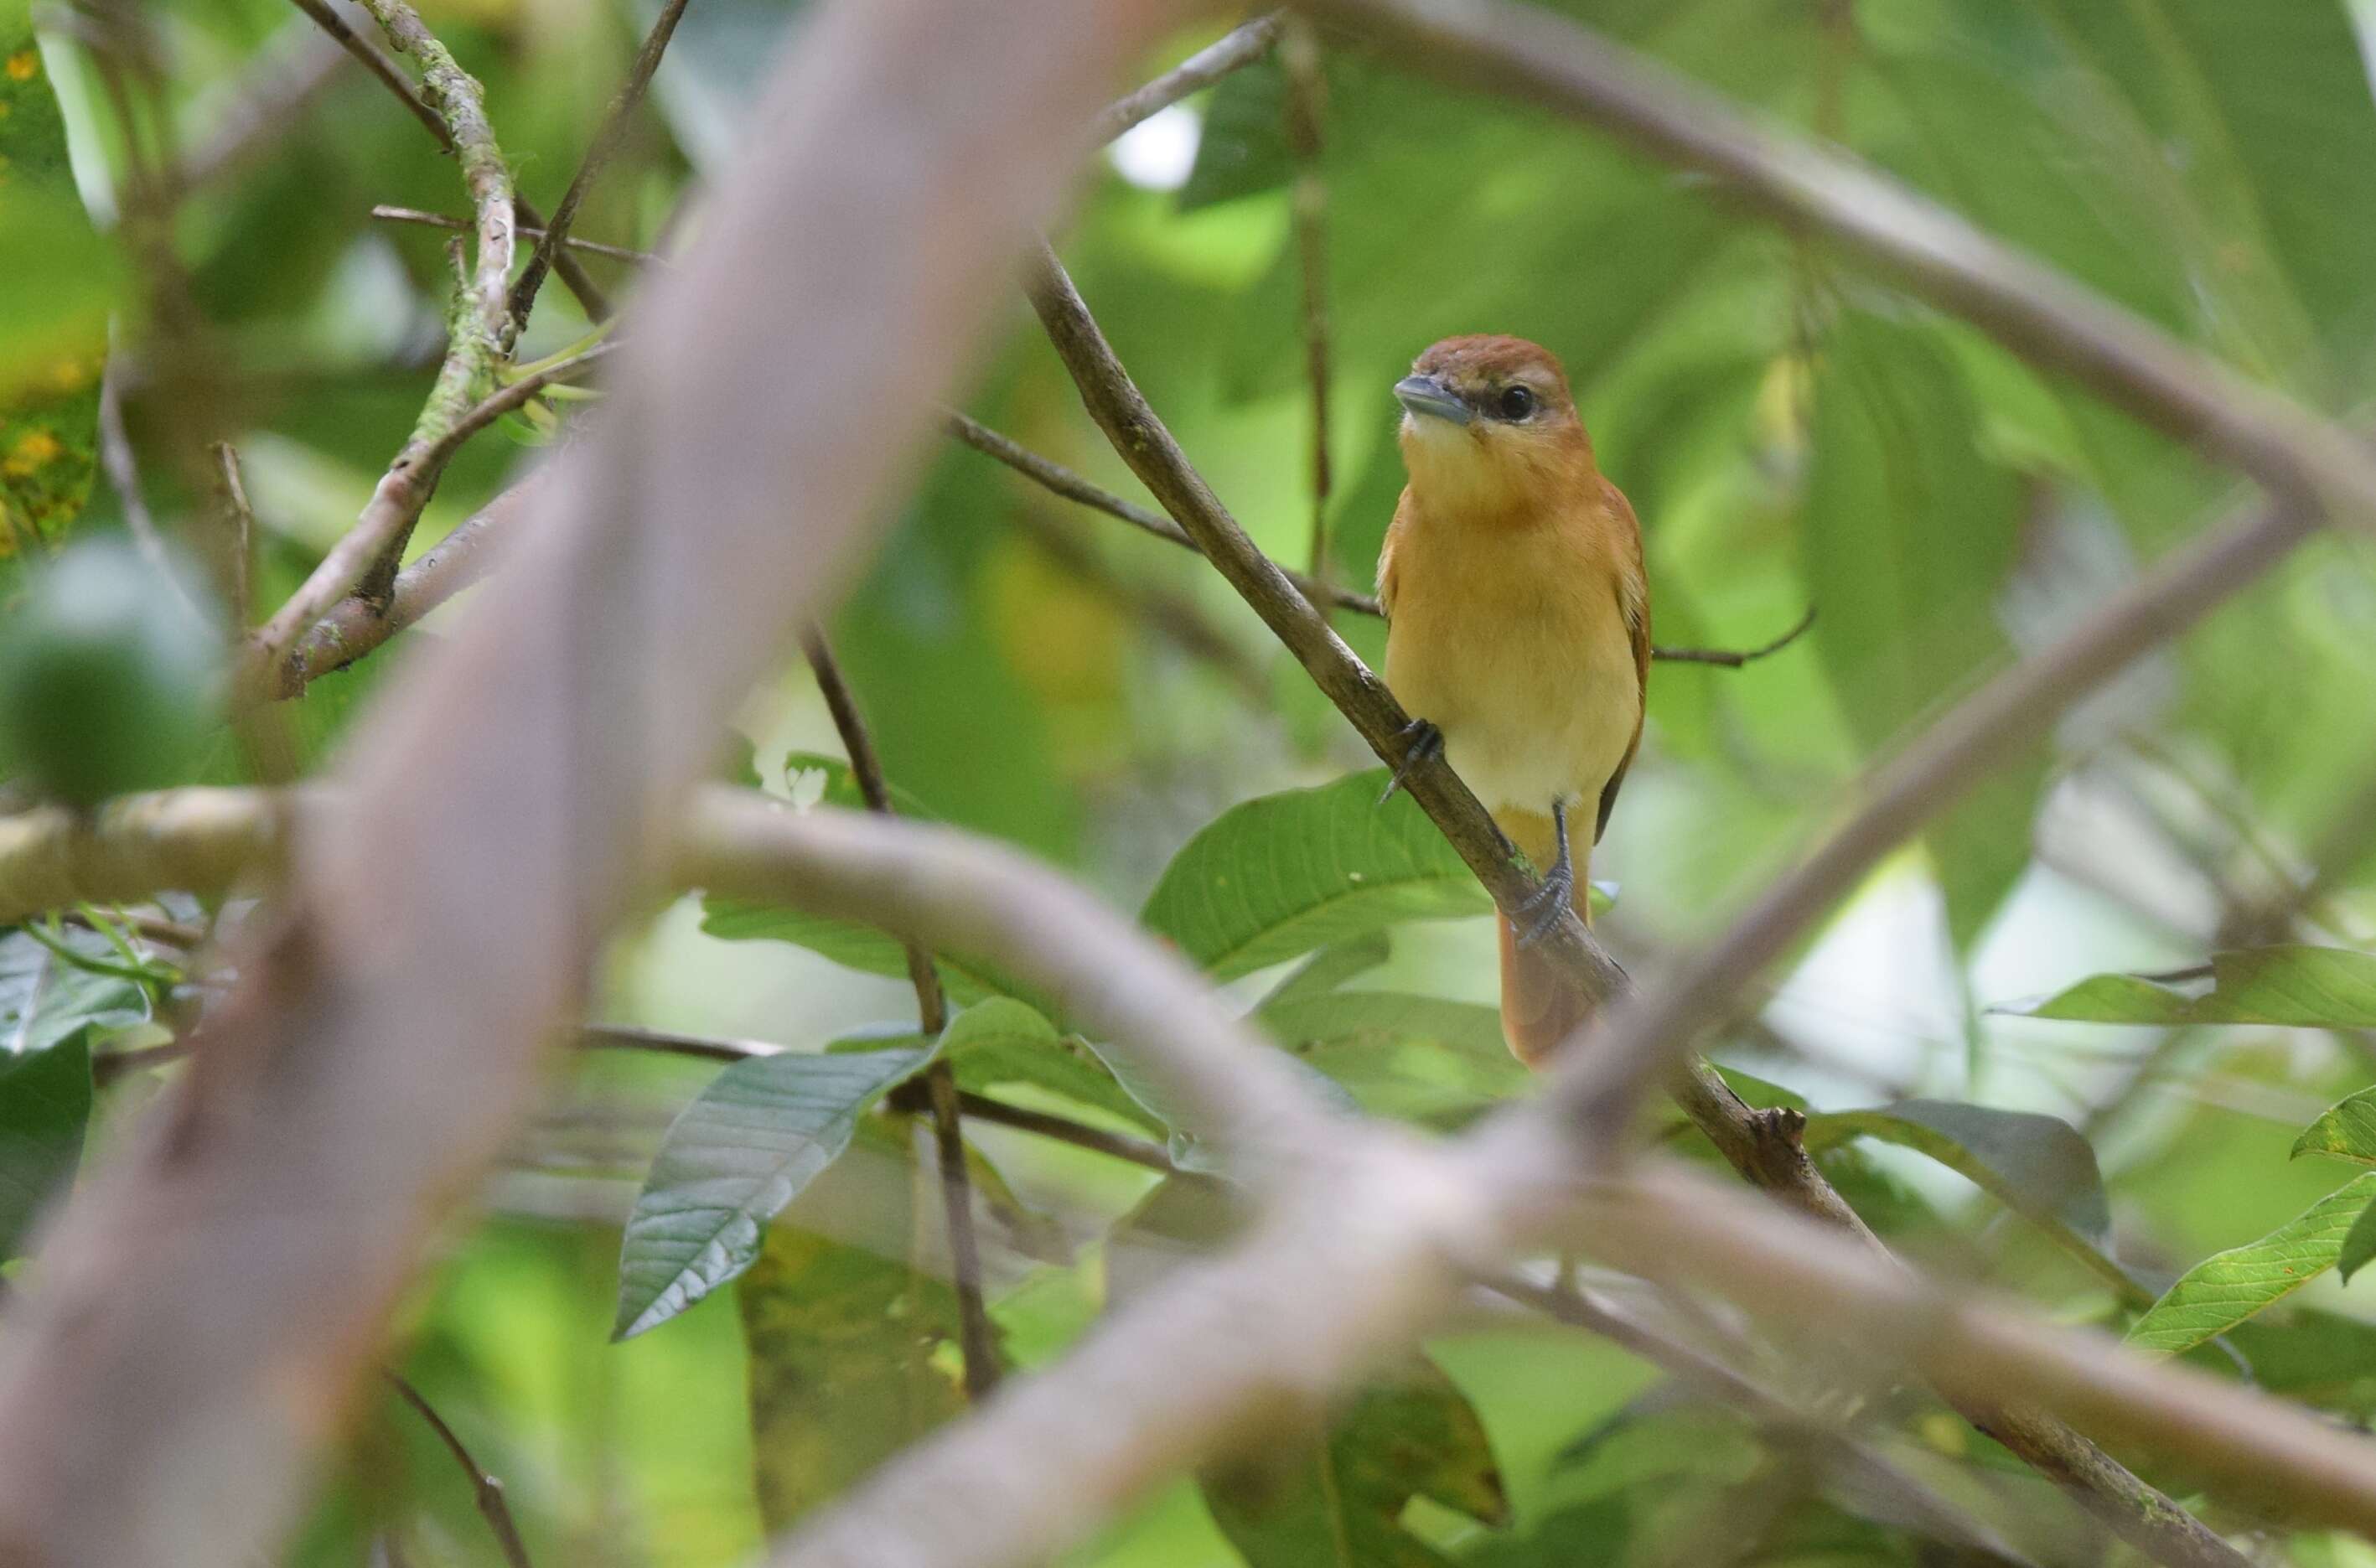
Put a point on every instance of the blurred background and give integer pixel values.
(1791, 433)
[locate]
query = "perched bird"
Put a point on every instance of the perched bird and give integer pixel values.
(1517, 627)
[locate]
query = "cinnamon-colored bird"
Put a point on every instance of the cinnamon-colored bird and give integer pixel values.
(1517, 627)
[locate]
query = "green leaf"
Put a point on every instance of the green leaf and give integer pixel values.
(1909, 532)
(1194, 1146)
(44, 1108)
(44, 1000)
(2297, 986)
(2359, 1245)
(999, 1040)
(2347, 1128)
(1278, 876)
(2037, 1166)
(1330, 967)
(53, 313)
(2226, 1288)
(846, 1344)
(1340, 1499)
(744, 1148)
(1418, 1058)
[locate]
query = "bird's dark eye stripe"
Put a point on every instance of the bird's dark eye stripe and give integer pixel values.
(1515, 403)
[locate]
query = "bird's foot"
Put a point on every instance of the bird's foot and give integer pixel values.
(1420, 740)
(1544, 907)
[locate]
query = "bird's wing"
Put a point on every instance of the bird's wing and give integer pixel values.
(1633, 604)
(1387, 582)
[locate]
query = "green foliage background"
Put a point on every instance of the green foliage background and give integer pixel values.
(1995, 1085)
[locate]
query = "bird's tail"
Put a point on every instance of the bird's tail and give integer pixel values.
(1540, 1006)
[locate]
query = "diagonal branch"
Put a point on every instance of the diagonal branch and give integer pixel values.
(598, 153)
(979, 1344)
(383, 69)
(1240, 48)
(1142, 441)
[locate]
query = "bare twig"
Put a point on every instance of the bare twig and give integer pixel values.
(396, 504)
(1735, 658)
(353, 627)
(1200, 70)
(485, 1489)
(979, 1342)
(375, 61)
(239, 544)
(386, 214)
(1306, 106)
(598, 153)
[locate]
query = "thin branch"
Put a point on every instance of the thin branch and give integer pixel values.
(240, 547)
(123, 475)
(1735, 658)
(2039, 312)
(461, 106)
(1058, 480)
(485, 1489)
(1063, 1129)
(978, 1341)
(1857, 1464)
(1307, 92)
(1142, 440)
(589, 294)
(980, 1107)
(353, 627)
(386, 214)
(1200, 70)
(396, 506)
(598, 153)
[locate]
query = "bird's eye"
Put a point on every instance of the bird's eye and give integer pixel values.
(1516, 403)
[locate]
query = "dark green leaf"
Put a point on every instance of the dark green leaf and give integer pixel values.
(1330, 967)
(1909, 533)
(2037, 1166)
(845, 1342)
(2299, 986)
(746, 1146)
(44, 1107)
(2226, 1288)
(1278, 876)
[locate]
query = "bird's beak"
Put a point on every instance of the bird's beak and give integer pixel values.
(1427, 396)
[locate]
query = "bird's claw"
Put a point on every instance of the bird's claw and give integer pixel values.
(1421, 740)
(1544, 907)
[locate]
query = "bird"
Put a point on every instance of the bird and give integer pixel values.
(1517, 630)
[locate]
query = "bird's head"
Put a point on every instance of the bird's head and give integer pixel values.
(1489, 426)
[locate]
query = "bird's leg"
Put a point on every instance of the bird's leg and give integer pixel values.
(1420, 740)
(1546, 904)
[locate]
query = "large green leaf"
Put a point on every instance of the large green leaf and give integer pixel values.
(746, 1146)
(2347, 1128)
(1909, 533)
(1420, 1057)
(2359, 1245)
(998, 1041)
(44, 1108)
(2226, 1288)
(52, 313)
(1275, 877)
(845, 1342)
(45, 999)
(2037, 1166)
(2301, 986)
